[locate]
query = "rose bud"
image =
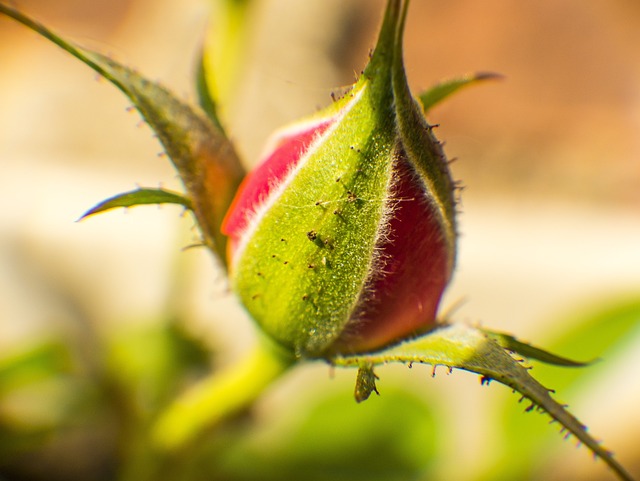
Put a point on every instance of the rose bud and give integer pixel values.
(342, 239)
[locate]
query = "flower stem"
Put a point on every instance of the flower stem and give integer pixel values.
(219, 396)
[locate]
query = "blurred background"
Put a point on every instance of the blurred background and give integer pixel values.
(550, 240)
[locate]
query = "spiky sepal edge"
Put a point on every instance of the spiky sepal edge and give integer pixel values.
(468, 348)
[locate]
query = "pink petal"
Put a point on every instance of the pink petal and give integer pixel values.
(287, 149)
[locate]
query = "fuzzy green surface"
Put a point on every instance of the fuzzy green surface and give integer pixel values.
(306, 262)
(423, 148)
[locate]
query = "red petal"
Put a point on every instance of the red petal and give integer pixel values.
(411, 274)
(288, 149)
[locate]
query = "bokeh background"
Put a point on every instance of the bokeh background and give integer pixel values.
(550, 215)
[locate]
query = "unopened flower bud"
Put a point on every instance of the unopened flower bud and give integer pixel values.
(343, 237)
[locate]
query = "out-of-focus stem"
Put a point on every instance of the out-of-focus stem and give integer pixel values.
(219, 396)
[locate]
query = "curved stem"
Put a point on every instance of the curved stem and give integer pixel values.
(219, 396)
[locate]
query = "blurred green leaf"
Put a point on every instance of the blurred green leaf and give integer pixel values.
(139, 197)
(222, 54)
(146, 367)
(152, 363)
(393, 437)
(444, 89)
(203, 156)
(47, 400)
(14, 442)
(32, 364)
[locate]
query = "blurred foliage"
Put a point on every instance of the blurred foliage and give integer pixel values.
(60, 420)
(335, 438)
(55, 410)
(48, 405)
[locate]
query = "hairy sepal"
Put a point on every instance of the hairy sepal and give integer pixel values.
(470, 349)
(285, 151)
(347, 244)
(204, 158)
(305, 256)
(444, 89)
(139, 197)
(410, 271)
(510, 343)
(423, 148)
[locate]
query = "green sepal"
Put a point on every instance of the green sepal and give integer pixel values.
(365, 382)
(222, 55)
(139, 197)
(307, 260)
(436, 94)
(470, 349)
(510, 343)
(421, 145)
(204, 158)
(205, 95)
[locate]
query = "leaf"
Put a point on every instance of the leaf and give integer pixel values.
(35, 363)
(205, 95)
(205, 159)
(149, 365)
(139, 197)
(463, 347)
(328, 437)
(444, 89)
(599, 329)
(510, 343)
(223, 53)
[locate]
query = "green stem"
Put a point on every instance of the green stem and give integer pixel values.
(219, 396)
